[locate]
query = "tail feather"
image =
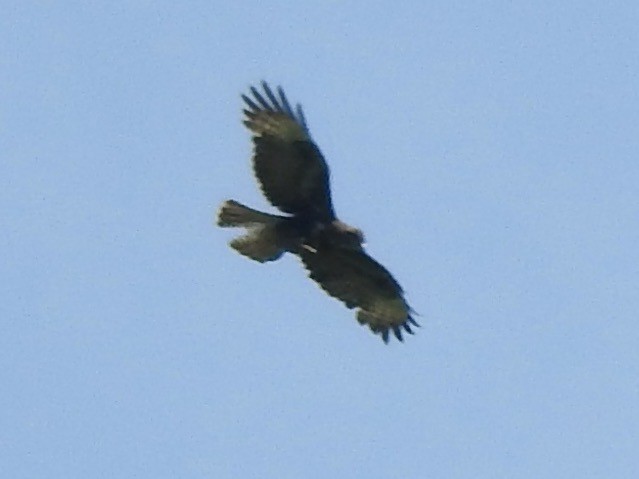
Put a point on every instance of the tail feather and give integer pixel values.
(261, 242)
(233, 213)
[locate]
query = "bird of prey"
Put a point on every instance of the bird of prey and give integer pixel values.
(294, 177)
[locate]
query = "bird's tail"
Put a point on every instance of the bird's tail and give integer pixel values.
(233, 213)
(262, 241)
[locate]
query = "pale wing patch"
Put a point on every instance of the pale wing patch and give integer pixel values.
(387, 314)
(260, 243)
(278, 125)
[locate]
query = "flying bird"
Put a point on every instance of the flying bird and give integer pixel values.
(294, 177)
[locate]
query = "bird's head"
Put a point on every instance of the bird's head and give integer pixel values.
(348, 235)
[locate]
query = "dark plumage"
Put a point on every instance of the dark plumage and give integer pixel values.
(294, 177)
(289, 166)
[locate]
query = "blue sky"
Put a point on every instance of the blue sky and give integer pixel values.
(489, 152)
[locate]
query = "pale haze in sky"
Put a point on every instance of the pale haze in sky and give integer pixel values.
(488, 150)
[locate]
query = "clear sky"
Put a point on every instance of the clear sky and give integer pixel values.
(489, 151)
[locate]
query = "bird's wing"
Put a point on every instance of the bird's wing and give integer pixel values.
(359, 281)
(291, 170)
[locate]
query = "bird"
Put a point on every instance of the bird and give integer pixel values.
(294, 177)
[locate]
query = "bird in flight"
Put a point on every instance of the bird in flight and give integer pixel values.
(294, 177)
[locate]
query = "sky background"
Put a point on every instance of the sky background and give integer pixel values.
(489, 150)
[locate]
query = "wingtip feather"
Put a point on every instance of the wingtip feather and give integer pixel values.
(398, 333)
(251, 104)
(271, 96)
(260, 99)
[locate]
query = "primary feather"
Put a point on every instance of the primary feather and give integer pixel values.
(289, 166)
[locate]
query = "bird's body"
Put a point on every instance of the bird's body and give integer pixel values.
(294, 177)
